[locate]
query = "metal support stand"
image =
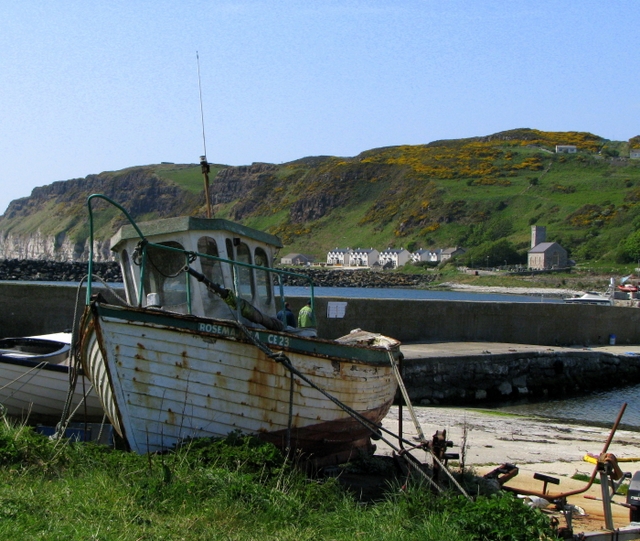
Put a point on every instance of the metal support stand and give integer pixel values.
(606, 499)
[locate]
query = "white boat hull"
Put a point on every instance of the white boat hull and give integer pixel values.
(166, 378)
(34, 387)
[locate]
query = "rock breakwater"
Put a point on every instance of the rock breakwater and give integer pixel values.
(58, 271)
(498, 377)
(357, 278)
(55, 271)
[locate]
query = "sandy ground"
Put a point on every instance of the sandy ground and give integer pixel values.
(534, 445)
(548, 291)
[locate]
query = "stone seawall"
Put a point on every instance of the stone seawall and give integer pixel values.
(475, 379)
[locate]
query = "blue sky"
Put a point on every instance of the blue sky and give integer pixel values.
(88, 87)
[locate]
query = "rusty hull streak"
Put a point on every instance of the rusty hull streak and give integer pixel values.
(260, 379)
(342, 437)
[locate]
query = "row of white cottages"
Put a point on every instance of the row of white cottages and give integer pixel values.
(391, 257)
(370, 257)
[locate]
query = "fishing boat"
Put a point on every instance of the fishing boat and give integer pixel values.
(593, 297)
(590, 297)
(34, 379)
(628, 288)
(197, 351)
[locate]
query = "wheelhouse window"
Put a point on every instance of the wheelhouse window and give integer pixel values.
(129, 282)
(164, 274)
(245, 276)
(210, 267)
(263, 277)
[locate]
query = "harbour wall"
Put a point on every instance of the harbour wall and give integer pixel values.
(29, 308)
(553, 324)
(35, 308)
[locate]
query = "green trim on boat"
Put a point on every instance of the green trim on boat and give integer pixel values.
(278, 340)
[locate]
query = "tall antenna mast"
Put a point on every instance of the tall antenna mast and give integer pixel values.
(204, 164)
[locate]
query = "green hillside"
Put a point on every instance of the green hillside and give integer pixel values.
(471, 193)
(481, 193)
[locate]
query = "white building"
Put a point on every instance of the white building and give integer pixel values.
(566, 149)
(338, 256)
(420, 255)
(435, 255)
(634, 153)
(363, 258)
(394, 257)
(432, 256)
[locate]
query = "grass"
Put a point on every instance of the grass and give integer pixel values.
(188, 178)
(236, 488)
(622, 489)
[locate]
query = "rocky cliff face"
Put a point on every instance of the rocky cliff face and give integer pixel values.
(51, 224)
(233, 183)
(38, 246)
(140, 189)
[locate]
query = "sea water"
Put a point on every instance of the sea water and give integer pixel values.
(599, 408)
(414, 294)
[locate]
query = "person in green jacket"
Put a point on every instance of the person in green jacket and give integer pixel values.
(306, 318)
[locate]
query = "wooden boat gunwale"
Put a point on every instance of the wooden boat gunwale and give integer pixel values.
(54, 359)
(228, 329)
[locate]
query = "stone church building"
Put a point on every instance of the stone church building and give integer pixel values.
(545, 255)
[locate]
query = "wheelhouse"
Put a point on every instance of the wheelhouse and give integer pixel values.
(229, 254)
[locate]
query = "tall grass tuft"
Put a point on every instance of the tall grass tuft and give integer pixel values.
(234, 488)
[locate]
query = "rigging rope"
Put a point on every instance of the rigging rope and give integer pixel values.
(74, 358)
(421, 438)
(369, 425)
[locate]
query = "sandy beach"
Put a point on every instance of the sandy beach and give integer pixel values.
(534, 445)
(547, 291)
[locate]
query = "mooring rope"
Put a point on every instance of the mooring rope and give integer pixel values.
(405, 395)
(84, 398)
(74, 357)
(38, 367)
